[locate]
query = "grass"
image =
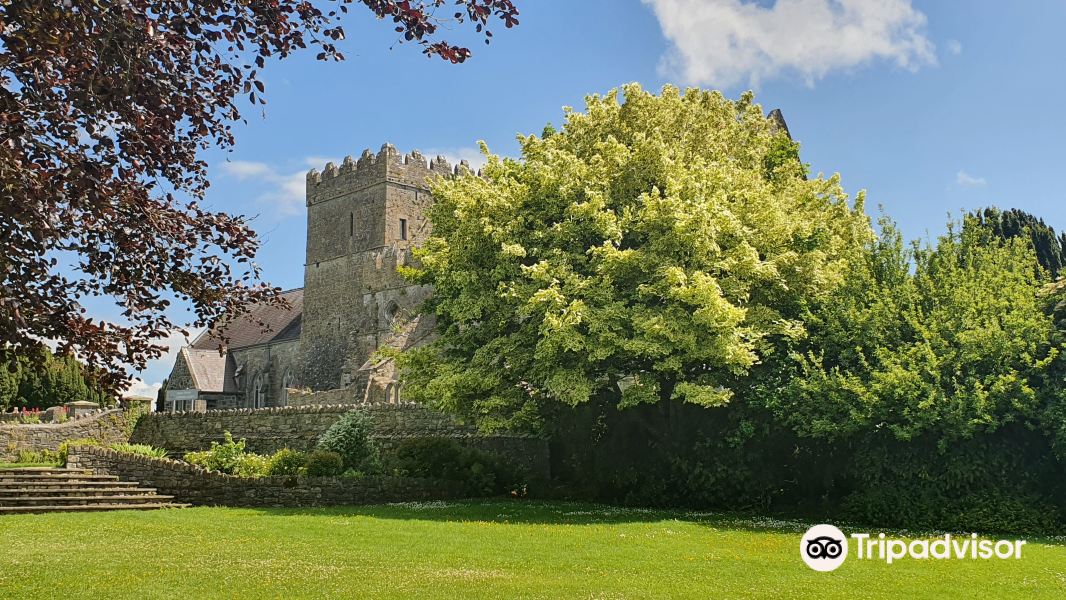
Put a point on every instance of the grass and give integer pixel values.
(26, 465)
(497, 549)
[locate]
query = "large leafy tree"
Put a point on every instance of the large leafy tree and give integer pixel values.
(1014, 223)
(651, 251)
(104, 108)
(951, 340)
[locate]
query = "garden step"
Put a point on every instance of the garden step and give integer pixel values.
(44, 490)
(62, 484)
(46, 476)
(43, 471)
(6, 510)
(71, 491)
(84, 500)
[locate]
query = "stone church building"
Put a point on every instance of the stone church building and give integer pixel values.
(363, 219)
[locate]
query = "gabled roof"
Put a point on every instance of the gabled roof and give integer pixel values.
(210, 371)
(283, 324)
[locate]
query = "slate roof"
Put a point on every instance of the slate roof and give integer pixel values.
(210, 371)
(284, 325)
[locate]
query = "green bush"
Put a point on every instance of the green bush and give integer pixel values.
(287, 463)
(229, 457)
(350, 438)
(252, 465)
(324, 463)
(140, 449)
(444, 458)
(39, 456)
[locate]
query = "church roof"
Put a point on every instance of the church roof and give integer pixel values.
(210, 371)
(283, 325)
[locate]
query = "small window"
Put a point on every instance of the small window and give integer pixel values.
(351, 224)
(403, 229)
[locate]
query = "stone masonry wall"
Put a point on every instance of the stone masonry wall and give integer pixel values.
(274, 362)
(193, 485)
(109, 427)
(267, 430)
(355, 241)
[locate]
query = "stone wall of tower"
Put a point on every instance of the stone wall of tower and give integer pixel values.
(355, 241)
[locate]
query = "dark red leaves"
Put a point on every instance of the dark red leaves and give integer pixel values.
(104, 103)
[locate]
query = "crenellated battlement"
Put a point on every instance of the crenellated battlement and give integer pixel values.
(388, 165)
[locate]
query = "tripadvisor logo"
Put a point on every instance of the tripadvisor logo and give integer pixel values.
(824, 548)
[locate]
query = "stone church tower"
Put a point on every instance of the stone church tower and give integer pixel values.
(363, 219)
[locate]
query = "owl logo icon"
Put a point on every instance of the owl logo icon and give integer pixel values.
(824, 547)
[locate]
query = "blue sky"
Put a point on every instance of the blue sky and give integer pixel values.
(932, 107)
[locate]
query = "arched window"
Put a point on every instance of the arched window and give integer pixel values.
(392, 314)
(259, 392)
(289, 381)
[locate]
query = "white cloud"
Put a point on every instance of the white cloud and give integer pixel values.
(954, 47)
(455, 155)
(964, 179)
(148, 381)
(725, 42)
(244, 169)
(138, 387)
(285, 190)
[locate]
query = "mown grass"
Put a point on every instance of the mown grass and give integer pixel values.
(496, 549)
(27, 465)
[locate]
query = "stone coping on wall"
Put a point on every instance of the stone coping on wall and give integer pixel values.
(194, 485)
(68, 424)
(108, 427)
(298, 409)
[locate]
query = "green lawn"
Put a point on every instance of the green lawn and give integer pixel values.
(26, 465)
(497, 549)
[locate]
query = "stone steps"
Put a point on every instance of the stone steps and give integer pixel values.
(9, 510)
(29, 483)
(75, 500)
(44, 490)
(129, 490)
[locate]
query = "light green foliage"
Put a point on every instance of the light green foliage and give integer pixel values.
(350, 438)
(40, 457)
(230, 457)
(662, 245)
(955, 347)
(474, 551)
(141, 449)
(287, 463)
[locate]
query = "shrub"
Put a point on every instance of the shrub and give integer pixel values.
(30, 417)
(287, 463)
(140, 449)
(324, 463)
(251, 465)
(350, 438)
(229, 457)
(39, 457)
(444, 458)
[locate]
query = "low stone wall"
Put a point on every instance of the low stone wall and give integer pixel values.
(193, 485)
(267, 430)
(109, 427)
(298, 427)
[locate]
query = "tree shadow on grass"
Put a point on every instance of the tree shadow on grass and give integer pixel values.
(506, 511)
(539, 512)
